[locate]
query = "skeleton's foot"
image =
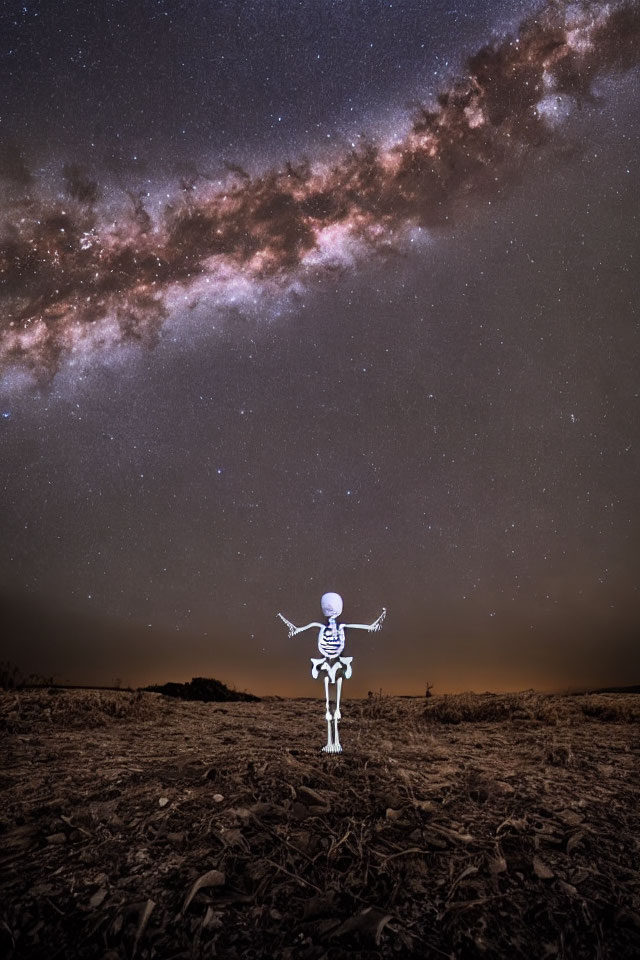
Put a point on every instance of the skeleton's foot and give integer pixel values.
(332, 748)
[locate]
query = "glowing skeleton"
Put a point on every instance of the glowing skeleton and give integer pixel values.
(331, 641)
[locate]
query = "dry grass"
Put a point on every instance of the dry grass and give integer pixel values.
(461, 827)
(499, 708)
(494, 708)
(74, 709)
(612, 707)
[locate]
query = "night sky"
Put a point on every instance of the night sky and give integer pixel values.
(320, 295)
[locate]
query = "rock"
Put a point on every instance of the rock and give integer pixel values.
(503, 788)
(56, 839)
(541, 870)
(97, 898)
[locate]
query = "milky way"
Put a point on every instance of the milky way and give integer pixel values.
(74, 277)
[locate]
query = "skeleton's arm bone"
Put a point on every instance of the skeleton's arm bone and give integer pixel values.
(368, 626)
(293, 629)
(308, 626)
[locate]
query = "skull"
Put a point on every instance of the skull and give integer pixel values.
(331, 604)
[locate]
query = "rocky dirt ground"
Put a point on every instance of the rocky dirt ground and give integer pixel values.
(463, 827)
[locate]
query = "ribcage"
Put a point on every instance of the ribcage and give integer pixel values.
(331, 641)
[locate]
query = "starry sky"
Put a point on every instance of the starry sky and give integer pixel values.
(328, 295)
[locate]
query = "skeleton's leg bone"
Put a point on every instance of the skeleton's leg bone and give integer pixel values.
(336, 717)
(329, 746)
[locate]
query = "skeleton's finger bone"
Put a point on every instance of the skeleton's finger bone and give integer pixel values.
(292, 627)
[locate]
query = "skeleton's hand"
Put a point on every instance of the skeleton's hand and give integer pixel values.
(375, 626)
(292, 627)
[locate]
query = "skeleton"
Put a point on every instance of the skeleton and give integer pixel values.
(331, 642)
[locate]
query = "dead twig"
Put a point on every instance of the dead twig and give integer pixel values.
(305, 883)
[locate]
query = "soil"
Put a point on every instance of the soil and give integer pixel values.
(134, 825)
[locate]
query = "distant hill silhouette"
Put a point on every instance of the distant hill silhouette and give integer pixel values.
(632, 689)
(201, 688)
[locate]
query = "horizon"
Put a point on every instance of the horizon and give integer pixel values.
(149, 688)
(44, 638)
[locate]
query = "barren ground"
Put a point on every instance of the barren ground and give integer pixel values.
(134, 825)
